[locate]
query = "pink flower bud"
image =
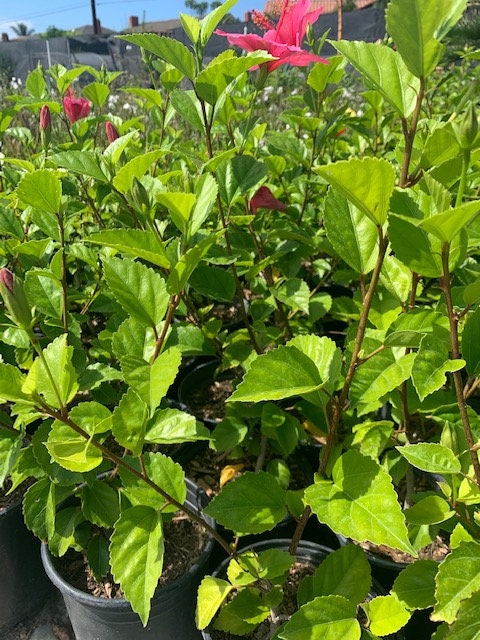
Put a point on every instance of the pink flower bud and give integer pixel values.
(111, 131)
(75, 108)
(45, 118)
(264, 199)
(6, 277)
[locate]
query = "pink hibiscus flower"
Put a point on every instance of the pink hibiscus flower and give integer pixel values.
(283, 42)
(75, 108)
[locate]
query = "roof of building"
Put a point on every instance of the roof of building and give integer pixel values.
(157, 26)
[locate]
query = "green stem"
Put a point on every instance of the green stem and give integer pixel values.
(463, 178)
(341, 401)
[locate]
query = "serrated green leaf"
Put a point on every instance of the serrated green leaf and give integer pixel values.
(252, 503)
(243, 613)
(84, 163)
(417, 30)
(457, 579)
(325, 618)
(41, 190)
(115, 149)
(429, 510)
(180, 206)
(281, 373)
(134, 242)
(386, 614)
(213, 19)
(181, 272)
(53, 376)
(152, 381)
(415, 585)
(11, 384)
(212, 592)
(345, 572)
(361, 503)
(44, 289)
(446, 225)
(164, 472)
(168, 49)
(353, 235)
(367, 183)
(39, 508)
(136, 554)
(431, 457)
(429, 371)
(467, 623)
(100, 503)
(129, 421)
(387, 379)
(10, 445)
(136, 168)
(96, 92)
(171, 426)
(140, 290)
(385, 70)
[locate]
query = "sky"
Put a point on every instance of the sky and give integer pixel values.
(113, 14)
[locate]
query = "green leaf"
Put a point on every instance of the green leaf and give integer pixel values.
(115, 149)
(44, 289)
(252, 503)
(72, 450)
(182, 271)
(53, 376)
(367, 183)
(325, 618)
(429, 371)
(246, 173)
(416, 30)
(415, 585)
(429, 510)
(136, 168)
(11, 384)
(385, 70)
(129, 421)
(140, 290)
(164, 472)
(180, 206)
(386, 614)
(386, 379)
(410, 328)
(281, 373)
(136, 554)
(206, 190)
(431, 457)
(188, 107)
(467, 624)
(294, 293)
(96, 92)
(152, 381)
(213, 282)
(213, 19)
(345, 572)
(167, 49)
(471, 343)
(212, 592)
(10, 444)
(243, 613)
(39, 508)
(457, 579)
(41, 190)
(361, 503)
(134, 242)
(171, 426)
(191, 26)
(446, 225)
(84, 163)
(353, 235)
(212, 81)
(100, 503)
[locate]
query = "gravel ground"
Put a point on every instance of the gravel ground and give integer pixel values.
(51, 623)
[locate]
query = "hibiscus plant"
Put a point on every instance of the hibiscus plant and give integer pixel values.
(334, 202)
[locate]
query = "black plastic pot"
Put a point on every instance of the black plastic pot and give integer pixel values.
(306, 550)
(172, 614)
(24, 586)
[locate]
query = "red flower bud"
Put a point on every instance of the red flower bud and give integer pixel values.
(111, 131)
(75, 108)
(45, 118)
(6, 277)
(264, 199)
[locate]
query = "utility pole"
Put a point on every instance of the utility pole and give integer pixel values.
(94, 17)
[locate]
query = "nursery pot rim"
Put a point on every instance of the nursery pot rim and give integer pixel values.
(122, 603)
